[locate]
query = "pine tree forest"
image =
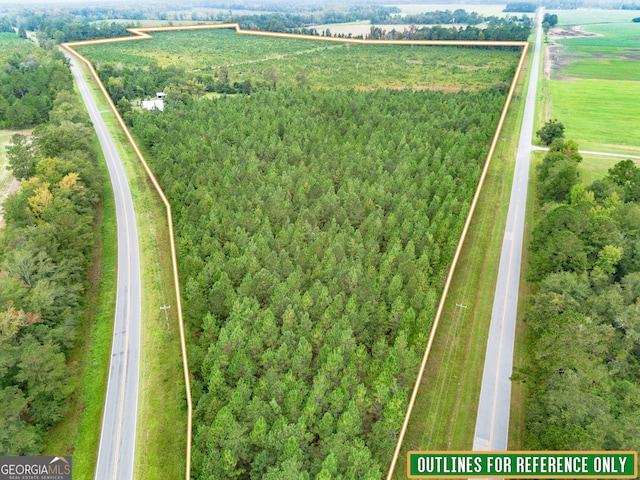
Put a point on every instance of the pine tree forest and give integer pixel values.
(314, 229)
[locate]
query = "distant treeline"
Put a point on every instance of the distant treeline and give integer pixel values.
(282, 22)
(53, 29)
(28, 86)
(5, 25)
(508, 32)
(446, 17)
(570, 5)
(521, 7)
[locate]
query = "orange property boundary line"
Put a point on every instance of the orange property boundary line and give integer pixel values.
(143, 34)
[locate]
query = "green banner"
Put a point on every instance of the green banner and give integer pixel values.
(522, 464)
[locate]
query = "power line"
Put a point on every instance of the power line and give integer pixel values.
(459, 313)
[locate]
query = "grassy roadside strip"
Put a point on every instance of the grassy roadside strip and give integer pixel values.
(444, 414)
(543, 95)
(160, 436)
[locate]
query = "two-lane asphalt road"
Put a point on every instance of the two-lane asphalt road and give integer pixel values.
(117, 439)
(492, 423)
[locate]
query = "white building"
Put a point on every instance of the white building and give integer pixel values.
(153, 105)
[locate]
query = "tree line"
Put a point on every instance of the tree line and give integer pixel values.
(447, 17)
(506, 32)
(528, 7)
(55, 27)
(46, 248)
(584, 346)
(29, 82)
(314, 231)
(285, 21)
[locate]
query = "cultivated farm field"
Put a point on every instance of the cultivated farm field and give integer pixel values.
(589, 16)
(316, 216)
(595, 86)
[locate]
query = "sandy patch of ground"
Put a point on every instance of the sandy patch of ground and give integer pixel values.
(8, 184)
(546, 63)
(554, 58)
(13, 186)
(572, 32)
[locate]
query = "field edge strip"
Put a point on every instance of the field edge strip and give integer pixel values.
(143, 34)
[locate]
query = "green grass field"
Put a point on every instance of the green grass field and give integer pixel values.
(605, 69)
(586, 16)
(599, 114)
(614, 38)
(324, 64)
(597, 93)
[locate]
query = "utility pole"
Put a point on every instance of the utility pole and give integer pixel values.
(166, 316)
(459, 313)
